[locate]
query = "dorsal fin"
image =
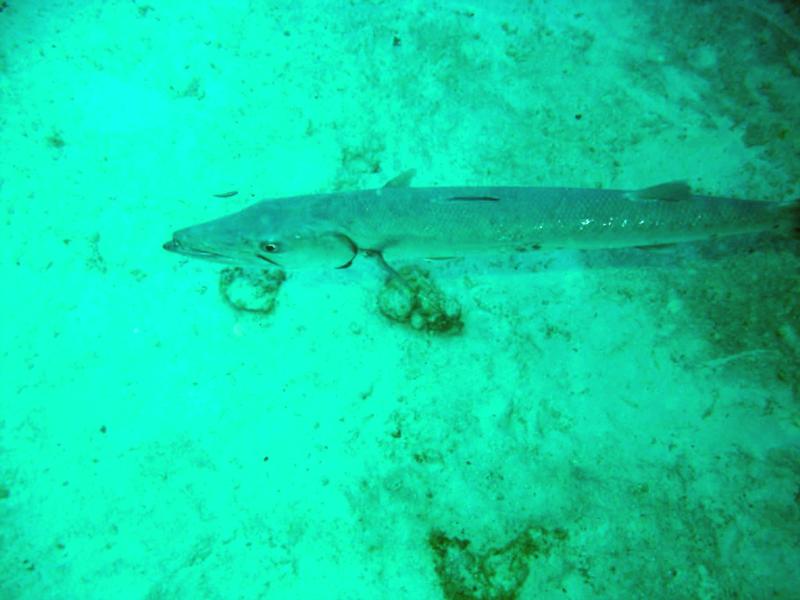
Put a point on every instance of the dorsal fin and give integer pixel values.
(673, 191)
(402, 180)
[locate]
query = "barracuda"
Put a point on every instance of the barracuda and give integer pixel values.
(401, 222)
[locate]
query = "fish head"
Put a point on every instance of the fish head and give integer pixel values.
(263, 234)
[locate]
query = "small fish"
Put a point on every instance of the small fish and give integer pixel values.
(401, 222)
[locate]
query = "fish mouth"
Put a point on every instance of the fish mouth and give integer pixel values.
(175, 246)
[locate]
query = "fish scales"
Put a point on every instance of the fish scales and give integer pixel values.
(420, 220)
(407, 222)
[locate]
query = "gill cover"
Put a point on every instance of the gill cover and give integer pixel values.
(312, 249)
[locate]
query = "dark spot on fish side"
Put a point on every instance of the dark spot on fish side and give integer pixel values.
(475, 198)
(654, 246)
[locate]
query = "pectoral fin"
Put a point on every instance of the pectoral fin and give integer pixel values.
(378, 256)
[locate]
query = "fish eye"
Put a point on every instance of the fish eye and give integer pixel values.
(269, 247)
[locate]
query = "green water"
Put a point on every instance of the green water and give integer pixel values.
(559, 425)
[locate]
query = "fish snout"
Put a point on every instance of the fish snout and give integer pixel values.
(177, 243)
(187, 243)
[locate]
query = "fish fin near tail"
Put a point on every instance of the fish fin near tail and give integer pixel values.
(674, 191)
(790, 216)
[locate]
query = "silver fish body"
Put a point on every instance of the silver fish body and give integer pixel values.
(417, 223)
